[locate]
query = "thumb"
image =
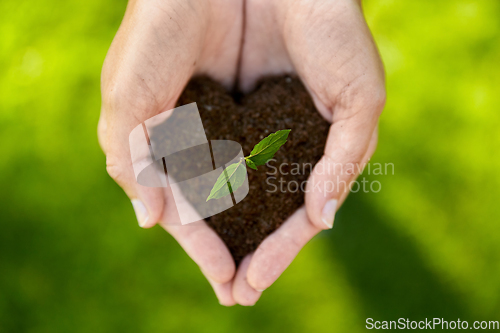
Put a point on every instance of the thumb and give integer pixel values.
(350, 144)
(145, 70)
(148, 202)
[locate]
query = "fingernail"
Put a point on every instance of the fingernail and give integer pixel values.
(260, 290)
(141, 212)
(328, 215)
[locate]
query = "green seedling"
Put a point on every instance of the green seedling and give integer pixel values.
(233, 176)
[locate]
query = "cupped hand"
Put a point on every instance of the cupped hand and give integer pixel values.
(162, 43)
(159, 46)
(329, 46)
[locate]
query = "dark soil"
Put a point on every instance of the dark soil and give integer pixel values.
(277, 103)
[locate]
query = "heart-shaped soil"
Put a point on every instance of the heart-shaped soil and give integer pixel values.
(277, 103)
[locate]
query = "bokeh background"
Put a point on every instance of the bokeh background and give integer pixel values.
(72, 258)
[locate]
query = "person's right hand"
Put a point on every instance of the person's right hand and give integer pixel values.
(159, 46)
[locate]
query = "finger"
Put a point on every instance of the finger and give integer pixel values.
(279, 249)
(125, 141)
(200, 242)
(206, 249)
(371, 149)
(148, 202)
(223, 291)
(143, 75)
(351, 142)
(364, 161)
(243, 293)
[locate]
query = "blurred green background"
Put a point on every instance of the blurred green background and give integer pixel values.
(72, 258)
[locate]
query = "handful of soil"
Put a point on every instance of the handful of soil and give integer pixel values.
(275, 192)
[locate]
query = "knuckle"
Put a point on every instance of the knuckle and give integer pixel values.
(115, 170)
(112, 93)
(368, 96)
(346, 151)
(352, 152)
(378, 97)
(121, 99)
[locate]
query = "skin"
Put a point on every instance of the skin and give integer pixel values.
(162, 43)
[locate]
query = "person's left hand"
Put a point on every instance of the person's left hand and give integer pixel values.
(329, 46)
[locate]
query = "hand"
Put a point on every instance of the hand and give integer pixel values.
(328, 44)
(159, 46)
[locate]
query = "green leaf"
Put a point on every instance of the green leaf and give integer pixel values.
(264, 150)
(229, 181)
(251, 164)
